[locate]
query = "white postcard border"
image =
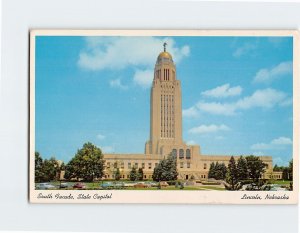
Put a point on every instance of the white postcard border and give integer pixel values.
(158, 196)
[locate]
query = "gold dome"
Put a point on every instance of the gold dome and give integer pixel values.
(165, 55)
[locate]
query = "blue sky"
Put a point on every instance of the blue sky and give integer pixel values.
(236, 93)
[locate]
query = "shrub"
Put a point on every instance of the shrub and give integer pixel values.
(172, 182)
(210, 183)
(181, 186)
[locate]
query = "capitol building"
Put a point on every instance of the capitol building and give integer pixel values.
(166, 134)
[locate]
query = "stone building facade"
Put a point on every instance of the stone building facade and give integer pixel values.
(166, 133)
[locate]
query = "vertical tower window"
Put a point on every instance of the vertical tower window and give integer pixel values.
(174, 153)
(188, 154)
(181, 153)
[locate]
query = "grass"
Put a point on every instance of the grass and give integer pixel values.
(213, 188)
(96, 186)
(282, 182)
(165, 188)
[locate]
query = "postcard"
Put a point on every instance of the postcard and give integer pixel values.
(164, 116)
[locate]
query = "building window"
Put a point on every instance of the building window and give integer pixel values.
(181, 153)
(136, 165)
(145, 176)
(174, 153)
(188, 165)
(204, 166)
(122, 165)
(188, 154)
(149, 165)
(143, 165)
(108, 165)
(129, 165)
(115, 164)
(181, 165)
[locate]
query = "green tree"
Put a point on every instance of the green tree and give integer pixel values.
(220, 171)
(117, 174)
(166, 169)
(290, 169)
(50, 169)
(38, 171)
(217, 171)
(87, 163)
(71, 169)
(232, 174)
(157, 172)
(255, 168)
(46, 170)
(287, 171)
(140, 174)
(276, 168)
(133, 174)
(211, 172)
(242, 170)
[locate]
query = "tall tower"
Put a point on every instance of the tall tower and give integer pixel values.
(165, 106)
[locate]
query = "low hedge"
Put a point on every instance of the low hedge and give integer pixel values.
(210, 183)
(172, 182)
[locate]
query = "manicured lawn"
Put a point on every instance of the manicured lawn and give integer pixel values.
(189, 188)
(282, 182)
(212, 188)
(97, 186)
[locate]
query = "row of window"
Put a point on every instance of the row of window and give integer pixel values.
(165, 98)
(166, 74)
(143, 165)
(166, 119)
(188, 165)
(275, 176)
(181, 153)
(107, 176)
(129, 165)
